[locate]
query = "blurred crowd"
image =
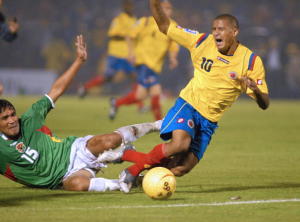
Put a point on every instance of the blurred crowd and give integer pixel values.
(270, 27)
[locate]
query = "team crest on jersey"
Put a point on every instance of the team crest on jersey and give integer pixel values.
(191, 123)
(233, 75)
(20, 147)
(180, 120)
(223, 60)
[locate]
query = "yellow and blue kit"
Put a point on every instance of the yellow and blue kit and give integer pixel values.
(117, 45)
(213, 89)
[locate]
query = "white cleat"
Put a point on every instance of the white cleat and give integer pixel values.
(126, 180)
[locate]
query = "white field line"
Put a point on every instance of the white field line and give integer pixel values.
(214, 204)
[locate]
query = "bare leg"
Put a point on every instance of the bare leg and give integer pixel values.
(184, 164)
(100, 143)
(78, 181)
(83, 180)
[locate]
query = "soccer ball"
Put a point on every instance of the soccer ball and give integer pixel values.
(159, 183)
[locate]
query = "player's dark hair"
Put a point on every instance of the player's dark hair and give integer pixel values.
(232, 19)
(4, 104)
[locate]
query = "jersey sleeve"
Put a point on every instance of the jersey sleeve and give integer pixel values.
(185, 37)
(40, 109)
(256, 71)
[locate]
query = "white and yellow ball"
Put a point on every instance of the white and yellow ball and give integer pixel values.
(159, 183)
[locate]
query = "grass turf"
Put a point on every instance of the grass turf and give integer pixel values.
(254, 155)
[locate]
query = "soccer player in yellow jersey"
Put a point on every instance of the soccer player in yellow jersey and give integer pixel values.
(151, 48)
(224, 68)
(117, 49)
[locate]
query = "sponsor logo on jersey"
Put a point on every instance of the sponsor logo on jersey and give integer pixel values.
(187, 30)
(191, 123)
(259, 82)
(233, 75)
(180, 120)
(20, 147)
(223, 60)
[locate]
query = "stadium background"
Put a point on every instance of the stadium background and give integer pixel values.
(270, 28)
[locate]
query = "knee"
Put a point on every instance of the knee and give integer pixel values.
(99, 144)
(180, 171)
(76, 184)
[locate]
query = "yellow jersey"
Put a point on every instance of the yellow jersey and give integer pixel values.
(151, 45)
(216, 82)
(119, 29)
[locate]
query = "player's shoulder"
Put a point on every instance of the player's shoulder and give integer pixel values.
(253, 59)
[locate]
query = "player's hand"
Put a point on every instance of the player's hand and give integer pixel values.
(81, 48)
(13, 25)
(249, 83)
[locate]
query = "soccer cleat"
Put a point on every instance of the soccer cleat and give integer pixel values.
(114, 155)
(126, 181)
(81, 92)
(113, 109)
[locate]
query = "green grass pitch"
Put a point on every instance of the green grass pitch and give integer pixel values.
(254, 155)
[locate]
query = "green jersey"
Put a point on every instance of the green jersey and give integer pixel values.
(37, 158)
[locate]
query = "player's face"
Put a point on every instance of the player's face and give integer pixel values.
(9, 123)
(224, 34)
(128, 7)
(167, 8)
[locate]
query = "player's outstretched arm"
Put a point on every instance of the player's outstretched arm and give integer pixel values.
(160, 17)
(62, 83)
(262, 99)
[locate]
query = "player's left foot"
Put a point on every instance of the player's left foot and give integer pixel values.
(114, 155)
(126, 180)
(113, 109)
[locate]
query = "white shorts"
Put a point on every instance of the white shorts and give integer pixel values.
(81, 158)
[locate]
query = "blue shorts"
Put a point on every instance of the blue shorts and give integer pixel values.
(115, 64)
(146, 76)
(184, 117)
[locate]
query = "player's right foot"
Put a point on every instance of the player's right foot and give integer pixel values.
(81, 92)
(126, 180)
(113, 109)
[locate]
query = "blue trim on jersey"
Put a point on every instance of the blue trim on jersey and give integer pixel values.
(251, 61)
(201, 39)
(146, 76)
(183, 116)
(115, 64)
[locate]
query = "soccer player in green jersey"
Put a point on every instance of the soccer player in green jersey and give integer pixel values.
(31, 155)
